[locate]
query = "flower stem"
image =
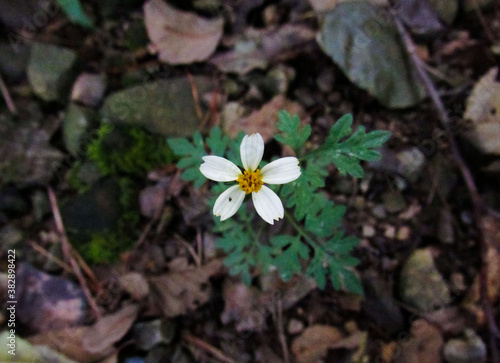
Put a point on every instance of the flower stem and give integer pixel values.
(299, 229)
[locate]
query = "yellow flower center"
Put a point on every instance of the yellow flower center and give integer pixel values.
(250, 181)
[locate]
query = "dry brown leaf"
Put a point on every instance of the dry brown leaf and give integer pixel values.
(87, 344)
(483, 109)
(256, 48)
(249, 307)
(109, 329)
(185, 287)
(314, 342)
(178, 36)
(424, 345)
(264, 120)
(69, 342)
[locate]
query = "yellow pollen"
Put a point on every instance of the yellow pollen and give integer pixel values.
(250, 181)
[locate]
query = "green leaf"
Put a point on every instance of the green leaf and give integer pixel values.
(292, 134)
(327, 220)
(191, 157)
(216, 142)
(337, 265)
(348, 165)
(340, 129)
(289, 251)
(73, 9)
(376, 139)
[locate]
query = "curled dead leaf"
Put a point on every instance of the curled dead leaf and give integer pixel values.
(185, 287)
(314, 342)
(178, 36)
(88, 344)
(483, 109)
(264, 120)
(424, 345)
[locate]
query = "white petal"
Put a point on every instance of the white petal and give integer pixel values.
(268, 205)
(251, 151)
(281, 171)
(219, 169)
(228, 202)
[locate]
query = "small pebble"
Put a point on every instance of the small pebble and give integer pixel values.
(390, 232)
(295, 326)
(403, 233)
(368, 231)
(379, 212)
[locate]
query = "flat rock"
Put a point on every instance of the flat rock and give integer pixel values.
(164, 107)
(26, 156)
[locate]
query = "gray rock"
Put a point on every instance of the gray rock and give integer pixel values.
(421, 284)
(76, 126)
(96, 210)
(151, 333)
(26, 156)
(165, 107)
(51, 70)
(471, 349)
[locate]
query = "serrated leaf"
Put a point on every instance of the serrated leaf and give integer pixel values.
(292, 135)
(216, 142)
(341, 245)
(348, 165)
(329, 218)
(181, 146)
(376, 139)
(317, 270)
(191, 157)
(287, 259)
(340, 129)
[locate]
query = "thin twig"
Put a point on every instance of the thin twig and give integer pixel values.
(50, 256)
(190, 249)
(196, 97)
(6, 95)
(66, 251)
(477, 201)
(281, 332)
(207, 347)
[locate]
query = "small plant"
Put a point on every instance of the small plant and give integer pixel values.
(318, 246)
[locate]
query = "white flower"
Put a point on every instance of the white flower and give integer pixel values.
(267, 204)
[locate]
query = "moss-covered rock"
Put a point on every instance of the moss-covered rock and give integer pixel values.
(165, 107)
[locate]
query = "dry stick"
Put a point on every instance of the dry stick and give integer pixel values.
(6, 95)
(281, 332)
(207, 347)
(50, 256)
(477, 201)
(67, 253)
